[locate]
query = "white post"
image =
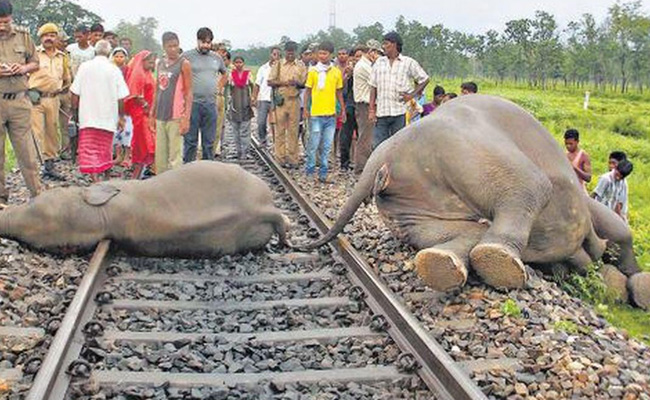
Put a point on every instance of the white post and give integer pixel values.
(586, 104)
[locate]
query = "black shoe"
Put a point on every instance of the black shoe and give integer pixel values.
(50, 173)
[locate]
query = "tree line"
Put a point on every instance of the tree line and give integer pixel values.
(612, 54)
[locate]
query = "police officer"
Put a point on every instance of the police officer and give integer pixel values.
(17, 59)
(45, 86)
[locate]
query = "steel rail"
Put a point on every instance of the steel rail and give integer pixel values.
(437, 369)
(51, 381)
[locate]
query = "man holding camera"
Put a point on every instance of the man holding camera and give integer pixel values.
(45, 86)
(17, 59)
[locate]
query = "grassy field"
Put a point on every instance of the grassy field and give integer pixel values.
(612, 122)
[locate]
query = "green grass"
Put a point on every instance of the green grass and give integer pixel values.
(612, 122)
(511, 309)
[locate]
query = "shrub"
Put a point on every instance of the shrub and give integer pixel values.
(628, 125)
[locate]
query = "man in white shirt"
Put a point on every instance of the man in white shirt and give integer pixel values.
(98, 93)
(81, 51)
(612, 188)
(262, 94)
(365, 55)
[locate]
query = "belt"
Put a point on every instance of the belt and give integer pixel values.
(50, 95)
(12, 96)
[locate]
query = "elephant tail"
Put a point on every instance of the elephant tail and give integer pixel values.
(362, 192)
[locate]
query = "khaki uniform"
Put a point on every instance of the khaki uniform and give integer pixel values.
(15, 110)
(48, 80)
(66, 105)
(288, 114)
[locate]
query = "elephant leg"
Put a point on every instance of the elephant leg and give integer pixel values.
(579, 261)
(611, 227)
(497, 257)
(442, 263)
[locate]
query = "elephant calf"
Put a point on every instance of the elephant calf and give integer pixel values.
(481, 183)
(203, 209)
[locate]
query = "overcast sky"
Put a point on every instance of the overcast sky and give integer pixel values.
(246, 22)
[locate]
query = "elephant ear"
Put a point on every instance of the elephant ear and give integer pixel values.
(382, 180)
(100, 194)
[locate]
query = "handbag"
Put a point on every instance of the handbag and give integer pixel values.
(276, 96)
(34, 96)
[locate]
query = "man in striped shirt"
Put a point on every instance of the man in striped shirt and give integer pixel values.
(392, 87)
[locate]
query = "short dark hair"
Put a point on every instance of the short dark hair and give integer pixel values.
(618, 156)
(239, 58)
(168, 37)
(110, 33)
(205, 34)
(97, 27)
(394, 37)
(82, 29)
(469, 86)
(228, 55)
(128, 39)
(625, 168)
(451, 95)
(274, 48)
(326, 46)
(6, 9)
(290, 46)
(438, 90)
(346, 51)
(572, 134)
(361, 47)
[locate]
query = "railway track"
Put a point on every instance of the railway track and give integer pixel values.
(262, 325)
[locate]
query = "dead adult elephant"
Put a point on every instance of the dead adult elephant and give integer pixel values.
(203, 209)
(481, 183)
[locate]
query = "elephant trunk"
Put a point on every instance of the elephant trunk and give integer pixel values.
(362, 191)
(8, 226)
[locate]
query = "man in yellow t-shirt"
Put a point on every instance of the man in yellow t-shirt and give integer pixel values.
(324, 87)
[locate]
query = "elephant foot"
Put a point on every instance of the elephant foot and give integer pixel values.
(639, 288)
(441, 270)
(615, 281)
(498, 266)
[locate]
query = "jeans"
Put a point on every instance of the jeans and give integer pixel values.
(321, 135)
(242, 133)
(387, 127)
(204, 118)
(263, 110)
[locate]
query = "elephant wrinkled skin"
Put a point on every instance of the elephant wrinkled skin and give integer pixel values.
(481, 183)
(203, 209)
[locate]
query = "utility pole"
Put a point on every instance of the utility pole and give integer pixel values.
(332, 14)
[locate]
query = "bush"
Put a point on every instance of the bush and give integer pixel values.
(628, 125)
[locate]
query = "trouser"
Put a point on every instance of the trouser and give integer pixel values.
(45, 118)
(168, 145)
(386, 127)
(221, 124)
(345, 138)
(286, 135)
(65, 111)
(363, 148)
(242, 133)
(263, 110)
(15, 119)
(320, 137)
(204, 119)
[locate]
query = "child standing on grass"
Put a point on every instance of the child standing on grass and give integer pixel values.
(612, 186)
(240, 108)
(324, 86)
(578, 158)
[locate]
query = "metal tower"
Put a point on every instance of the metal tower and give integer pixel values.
(332, 14)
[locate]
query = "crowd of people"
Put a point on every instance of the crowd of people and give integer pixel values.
(96, 102)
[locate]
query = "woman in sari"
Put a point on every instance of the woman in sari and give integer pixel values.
(122, 139)
(142, 86)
